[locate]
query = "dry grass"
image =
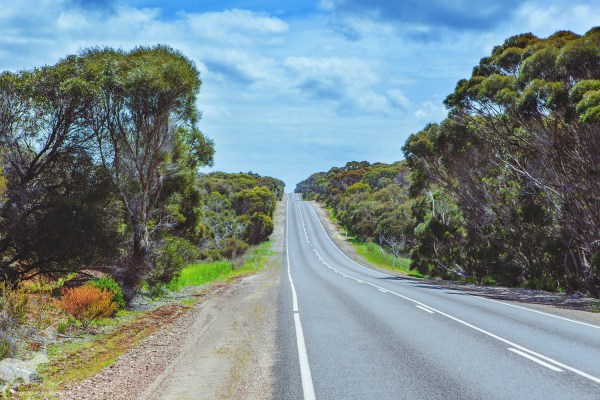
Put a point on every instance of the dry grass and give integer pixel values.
(78, 361)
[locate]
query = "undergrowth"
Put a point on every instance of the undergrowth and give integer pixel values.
(200, 273)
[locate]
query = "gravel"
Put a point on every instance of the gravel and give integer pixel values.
(224, 348)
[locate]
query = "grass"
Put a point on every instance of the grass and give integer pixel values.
(198, 274)
(78, 360)
(377, 255)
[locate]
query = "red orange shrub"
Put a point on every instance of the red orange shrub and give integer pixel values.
(87, 303)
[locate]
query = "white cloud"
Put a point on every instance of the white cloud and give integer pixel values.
(291, 89)
(235, 26)
(544, 20)
(351, 83)
(431, 112)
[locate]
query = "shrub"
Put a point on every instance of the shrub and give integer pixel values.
(62, 327)
(489, 280)
(87, 303)
(171, 257)
(232, 247)
(109, 284)
(258, 227)
(7, 346)
(13, 307)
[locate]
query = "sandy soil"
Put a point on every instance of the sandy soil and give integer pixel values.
(223, 348)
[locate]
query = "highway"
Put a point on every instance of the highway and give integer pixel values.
(349, 332)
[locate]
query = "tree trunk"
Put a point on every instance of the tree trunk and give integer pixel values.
(588, 278)
(140, 240)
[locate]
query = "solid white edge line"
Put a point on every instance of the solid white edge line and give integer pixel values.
(305, 375)
(545, 364)
(425, 309)
(287, 253)
(307, 384)
(540, 312)
(337, 248)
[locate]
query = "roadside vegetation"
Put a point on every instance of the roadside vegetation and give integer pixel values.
(376, 254)
(506, 189)
(84, 347)
(102, 203)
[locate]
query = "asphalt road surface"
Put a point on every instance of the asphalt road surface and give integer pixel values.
(348, 332)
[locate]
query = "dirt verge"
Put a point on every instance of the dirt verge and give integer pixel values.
(223, 348)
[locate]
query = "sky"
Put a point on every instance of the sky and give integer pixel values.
(290, 88)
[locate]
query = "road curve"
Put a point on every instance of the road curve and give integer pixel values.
(348, 332)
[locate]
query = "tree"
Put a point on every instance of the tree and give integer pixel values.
(526, 126)
(56, 213)
(148, 98)
(258, 227)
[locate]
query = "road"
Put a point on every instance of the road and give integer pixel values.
(348, 332)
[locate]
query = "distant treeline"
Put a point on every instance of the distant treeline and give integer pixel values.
(99, 159)
(369, 200)
(507, 188)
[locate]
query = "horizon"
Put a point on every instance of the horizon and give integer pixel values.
(289, 90)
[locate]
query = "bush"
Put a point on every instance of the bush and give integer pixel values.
(489, 280)
(109, 284)
(258, 227)
(62, 327)
(13, 307)
(232, 247)
(7, 346)
(87, 303)
(171, 257)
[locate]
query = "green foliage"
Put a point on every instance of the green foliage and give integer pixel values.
(231, 248)
(170, 258)
(109, 284)
(239, 206)
(13, 310)
(258, 227)
(62, 327)
(502, 188)
(201, 273)
(13, 306)
(369, 200)
(198, 274)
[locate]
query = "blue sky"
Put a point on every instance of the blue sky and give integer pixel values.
(289, 87)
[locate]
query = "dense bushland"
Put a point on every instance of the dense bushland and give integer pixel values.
(507, 188)
(99, 169)
(369, 200)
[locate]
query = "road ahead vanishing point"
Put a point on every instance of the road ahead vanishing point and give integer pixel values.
(349, 332)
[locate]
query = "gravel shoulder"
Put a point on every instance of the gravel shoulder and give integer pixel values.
(565, 305)
(223, 348)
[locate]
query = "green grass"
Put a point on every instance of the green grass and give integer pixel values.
(200, 273)
(373, 253)
(331, 214)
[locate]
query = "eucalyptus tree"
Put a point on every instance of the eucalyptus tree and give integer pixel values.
(55, 196)
(147, 102)
(519, 155)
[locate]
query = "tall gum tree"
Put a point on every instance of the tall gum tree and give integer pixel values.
(147, 96)
(526, 124)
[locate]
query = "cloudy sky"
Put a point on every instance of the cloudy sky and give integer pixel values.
(295, 87)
